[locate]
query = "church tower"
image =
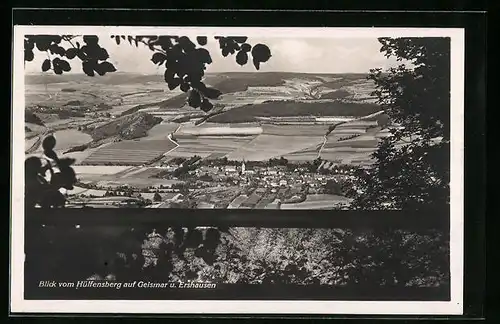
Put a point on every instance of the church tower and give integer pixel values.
(243, 167)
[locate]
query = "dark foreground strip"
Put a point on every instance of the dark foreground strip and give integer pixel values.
(245, 292)
(438, 219)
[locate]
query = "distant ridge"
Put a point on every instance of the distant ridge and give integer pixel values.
(120, 78)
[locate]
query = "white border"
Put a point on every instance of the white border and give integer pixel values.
(454, 307)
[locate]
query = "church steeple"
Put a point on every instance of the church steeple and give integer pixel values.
(243, 167)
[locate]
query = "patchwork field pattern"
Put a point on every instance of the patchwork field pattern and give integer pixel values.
(130, 152)
(264, 147)
(208, 146)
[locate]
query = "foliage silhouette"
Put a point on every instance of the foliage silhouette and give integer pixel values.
(411, 168)
(43, 192)
(245, 255)
(185, 63)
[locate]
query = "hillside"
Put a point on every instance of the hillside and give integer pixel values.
(248, 113)
(337, 94)
(126, 127)
(236, 82)
(32, 118)
(116, 78)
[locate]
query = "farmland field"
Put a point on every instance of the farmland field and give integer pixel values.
(318, 202)
(143, 173)
(140, 183)
(237, 201)
(28, 143)
(160, 131)
(218, 131)
(206, 145)
(130, 152)
(99, 170)
(294, 130)
(307, 154)
(364, 141)
(70, 137)
(265, 147)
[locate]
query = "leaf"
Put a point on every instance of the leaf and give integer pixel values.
(91, 39)
(107, 67)
(168, 75)
(88, 68)
(203, 56)
(49, 143)
(194, 99)
(256, 63)
(246, 47)
(102, 54)
(71, 53)
(42, 44)
(28, 44)
(117, 40)
(202, 40)
(186, 44)
(64, 65)
(174, 83)
(206, 105)
(261, 53)
(57, 69)
(242, 58)
(81, 55)
(185, 87)
(56, 39)
(211, 93)
(158, 58)
(239, 39)
(28, 55)
(55, 49)
(130, 39)
(99, 70)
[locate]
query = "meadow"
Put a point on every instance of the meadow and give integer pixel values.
(264, 147)
(130, 152)
(208, 145)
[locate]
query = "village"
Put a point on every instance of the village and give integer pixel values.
(198, 183)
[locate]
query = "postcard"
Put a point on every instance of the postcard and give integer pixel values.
(237, 170)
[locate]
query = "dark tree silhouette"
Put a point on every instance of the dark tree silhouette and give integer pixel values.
(42, 192)
(185, 61)
(411, 167)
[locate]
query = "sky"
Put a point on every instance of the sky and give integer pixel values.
(306, 55)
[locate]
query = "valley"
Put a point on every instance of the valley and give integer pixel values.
(133, 127)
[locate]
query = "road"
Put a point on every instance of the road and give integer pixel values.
(325, 137)
(37, 143)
